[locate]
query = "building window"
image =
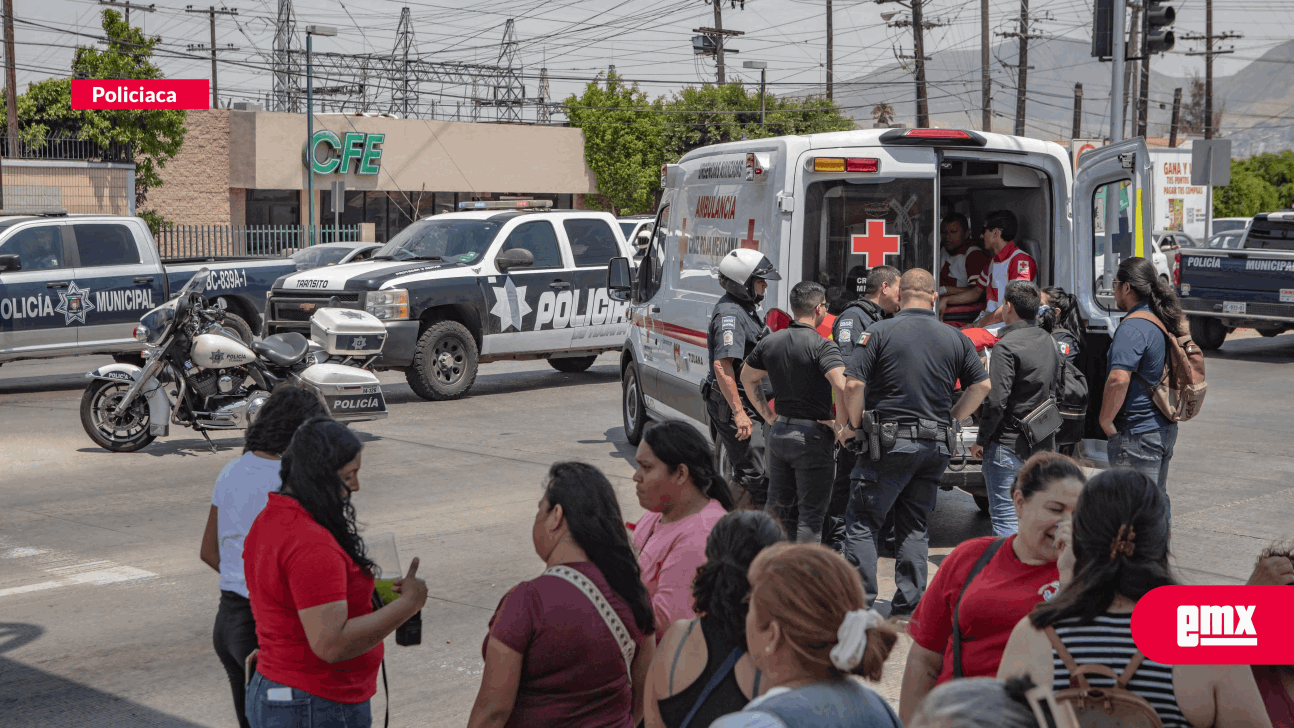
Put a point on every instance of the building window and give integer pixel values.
(273, 207)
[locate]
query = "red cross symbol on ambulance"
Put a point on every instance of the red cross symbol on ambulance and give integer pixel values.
(875, 245)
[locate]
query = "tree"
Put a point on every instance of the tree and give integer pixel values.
(155, 135)
(1192, 118)
(698, 117)
(1264, 183)
(622, 143)
(883, 114)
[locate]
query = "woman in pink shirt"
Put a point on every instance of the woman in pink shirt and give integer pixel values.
(684, 496)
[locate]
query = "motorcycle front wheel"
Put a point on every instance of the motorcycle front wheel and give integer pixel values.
(126, 433)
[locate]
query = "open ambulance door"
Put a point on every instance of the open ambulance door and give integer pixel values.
(1112, 204)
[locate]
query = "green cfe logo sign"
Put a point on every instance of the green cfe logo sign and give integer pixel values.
(352, 147)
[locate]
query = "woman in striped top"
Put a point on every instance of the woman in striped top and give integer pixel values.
(1114, 551)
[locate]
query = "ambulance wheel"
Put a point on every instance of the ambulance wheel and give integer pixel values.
(1208, 333)
(633, 410)
(981, 502)
(445, 362)
(572, 364)
(236, 324)
(126, 433)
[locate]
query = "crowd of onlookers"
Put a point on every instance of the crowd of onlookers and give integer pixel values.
(701, 614)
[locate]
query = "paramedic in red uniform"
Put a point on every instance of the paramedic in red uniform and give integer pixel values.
(964, 262)
(1009, 264)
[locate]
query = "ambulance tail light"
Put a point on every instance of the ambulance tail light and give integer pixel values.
(933, 138)
(840, 164)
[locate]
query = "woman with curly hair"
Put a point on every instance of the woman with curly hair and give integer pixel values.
(702, 671)
(311, 586)
(241, 491)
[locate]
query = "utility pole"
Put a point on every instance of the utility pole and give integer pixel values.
(11, 88)
(1119, 40)
(716, 37)
(212, 12)
(1022, 82)
(1131, 50)
(127, 5)
(830, 76)
(1078, 112)
(919, 50)
(718, 40)
(984, 82)
(1209, 52)
(1143, 93)
(1177, 115)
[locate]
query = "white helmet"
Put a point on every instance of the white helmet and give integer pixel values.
(739, 269)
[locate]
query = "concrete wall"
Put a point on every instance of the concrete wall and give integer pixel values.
(78, 187)
(196, 188)
(419, 154)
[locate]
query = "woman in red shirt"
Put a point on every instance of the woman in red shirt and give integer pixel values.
(552, 657)
(311, 588)
(1020, 574)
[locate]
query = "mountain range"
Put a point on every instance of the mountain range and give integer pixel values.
(1258, 100)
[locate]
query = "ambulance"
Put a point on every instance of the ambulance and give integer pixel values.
(818, 205)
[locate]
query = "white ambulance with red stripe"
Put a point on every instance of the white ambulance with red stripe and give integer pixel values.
(818, 205)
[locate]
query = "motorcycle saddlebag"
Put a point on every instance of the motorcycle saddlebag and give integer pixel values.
(350, 394)
(347, 332)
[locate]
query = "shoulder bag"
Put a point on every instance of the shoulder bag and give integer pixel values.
(607, 612)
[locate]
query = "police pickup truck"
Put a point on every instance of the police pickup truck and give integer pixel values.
(496, 280)
(77, 284)
(821, 204)
(1252, 286)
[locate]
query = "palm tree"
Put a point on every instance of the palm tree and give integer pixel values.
(884, 115)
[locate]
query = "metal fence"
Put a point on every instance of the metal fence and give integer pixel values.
(66, 148)
(266, 241)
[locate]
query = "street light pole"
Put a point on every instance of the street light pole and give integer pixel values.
(763, 70)
(311, 31)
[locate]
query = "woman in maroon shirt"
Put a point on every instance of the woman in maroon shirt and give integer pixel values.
(551, 658)
(311, 589)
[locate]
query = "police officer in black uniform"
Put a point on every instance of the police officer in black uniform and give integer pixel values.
(904, 370)
(876, 295)
(735, 328)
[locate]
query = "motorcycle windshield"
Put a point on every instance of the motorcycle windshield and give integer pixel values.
(196, 284)
(158, 321)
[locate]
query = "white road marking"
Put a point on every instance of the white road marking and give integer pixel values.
(70, 572)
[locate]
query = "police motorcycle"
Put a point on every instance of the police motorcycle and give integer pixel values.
(200, 374)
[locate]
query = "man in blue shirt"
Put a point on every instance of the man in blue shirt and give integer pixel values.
(1140, 436)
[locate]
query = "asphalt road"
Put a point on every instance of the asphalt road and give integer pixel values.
(106, 611)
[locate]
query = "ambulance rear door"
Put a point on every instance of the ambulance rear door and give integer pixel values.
(1113, 200)
(724, 201)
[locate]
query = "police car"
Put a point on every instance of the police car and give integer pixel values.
(494, 281)
(818, 205)
(77, 284)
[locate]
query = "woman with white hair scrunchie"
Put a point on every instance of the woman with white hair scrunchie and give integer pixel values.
(809, 631)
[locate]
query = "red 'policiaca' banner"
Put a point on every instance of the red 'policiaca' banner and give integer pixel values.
(1215, 625)
(155, 93)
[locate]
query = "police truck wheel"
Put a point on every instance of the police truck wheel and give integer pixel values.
(135, 359)
(126, 433)
(632, 408)
(572, 364)
(1208, 333)
(445, 362)
(236, 324)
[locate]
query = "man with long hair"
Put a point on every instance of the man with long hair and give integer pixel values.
(1140, 436)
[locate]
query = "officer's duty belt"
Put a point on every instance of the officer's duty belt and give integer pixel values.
(912, 432)
(797, 421)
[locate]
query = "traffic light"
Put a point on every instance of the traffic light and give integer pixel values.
(1103, 29)
(1159, 38)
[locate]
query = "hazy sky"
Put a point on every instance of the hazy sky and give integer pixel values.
(647, 40)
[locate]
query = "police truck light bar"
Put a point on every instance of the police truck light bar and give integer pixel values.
(504, 204)
(838, 164)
